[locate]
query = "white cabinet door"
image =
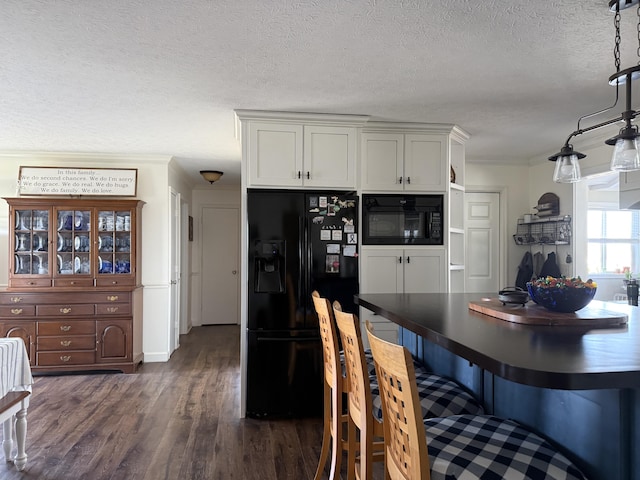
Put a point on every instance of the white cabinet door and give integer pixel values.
(329, 157)
(424, 271)
(381, 271)
(275, 154)
(425, 162)
(382, 161)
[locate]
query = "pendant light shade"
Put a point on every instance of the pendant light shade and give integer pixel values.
(625, 156)
(567, 167)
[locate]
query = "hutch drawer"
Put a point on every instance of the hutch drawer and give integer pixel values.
(113, 309)
(73, 282)
(48, 359)
(78, 342)
(31, 282)
(66, 310)
(77, 327)
(17, 311)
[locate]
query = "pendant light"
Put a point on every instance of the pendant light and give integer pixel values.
(626, 156)
(567, 167)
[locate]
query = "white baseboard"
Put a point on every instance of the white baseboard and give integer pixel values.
(156, 357)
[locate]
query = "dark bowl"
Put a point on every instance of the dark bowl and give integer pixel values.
(561, 299)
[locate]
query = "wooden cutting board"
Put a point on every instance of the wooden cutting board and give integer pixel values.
(532, 313)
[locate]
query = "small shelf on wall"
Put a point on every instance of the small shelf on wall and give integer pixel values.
(554, 230)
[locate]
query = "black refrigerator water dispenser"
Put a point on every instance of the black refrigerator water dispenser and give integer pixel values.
(270, 265)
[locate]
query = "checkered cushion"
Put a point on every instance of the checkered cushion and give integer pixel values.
(489, 448)
(439, 397)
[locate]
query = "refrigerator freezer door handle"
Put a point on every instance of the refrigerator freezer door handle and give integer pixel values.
(302, 281)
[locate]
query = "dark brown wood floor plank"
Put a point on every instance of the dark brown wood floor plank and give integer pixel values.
(286, 450)
(258, 463)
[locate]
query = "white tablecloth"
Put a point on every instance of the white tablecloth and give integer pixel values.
(15, 372)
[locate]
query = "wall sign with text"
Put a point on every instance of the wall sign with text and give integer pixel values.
(121, 182)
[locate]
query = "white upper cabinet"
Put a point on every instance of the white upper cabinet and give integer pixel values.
(382, 161)
(330, 157)
(275, 154)
(300, 150)
(425, 162)
(404, 162)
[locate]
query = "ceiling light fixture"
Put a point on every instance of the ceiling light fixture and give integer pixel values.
(211, 175)
(625, 156)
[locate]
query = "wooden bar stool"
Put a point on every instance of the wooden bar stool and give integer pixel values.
(436, 394)
(461, 446)
(334, 388)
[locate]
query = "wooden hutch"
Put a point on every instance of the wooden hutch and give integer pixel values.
(75, 294)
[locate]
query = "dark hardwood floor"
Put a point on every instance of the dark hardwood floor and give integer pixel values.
(174, 420)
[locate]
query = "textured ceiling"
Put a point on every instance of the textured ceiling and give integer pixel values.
(163, 77)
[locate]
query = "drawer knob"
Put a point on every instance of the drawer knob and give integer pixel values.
(65, 328)
(16, 311)
(16, 299)
(65, 343)
(112, 298)
(65, 310)
(65, 358)
(112, 309)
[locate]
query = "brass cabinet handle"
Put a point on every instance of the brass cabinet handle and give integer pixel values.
(65, 343)
(16, 311)
(65, 310)
(112, 298)
(65, 358)
(16, 299)
(112, 309)
(65, 328)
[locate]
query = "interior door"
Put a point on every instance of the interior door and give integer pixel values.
(220, 245)
(483, 241)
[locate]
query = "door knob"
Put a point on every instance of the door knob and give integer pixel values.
(234, 271)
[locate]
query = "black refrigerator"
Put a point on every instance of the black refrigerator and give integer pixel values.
(299, 241)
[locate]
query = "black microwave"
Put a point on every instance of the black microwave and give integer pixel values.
(396, 219)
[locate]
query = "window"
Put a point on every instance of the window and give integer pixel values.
(613, 240)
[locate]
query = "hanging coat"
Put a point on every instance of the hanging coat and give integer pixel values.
(550, 267)
(538, 262)
(525, 271)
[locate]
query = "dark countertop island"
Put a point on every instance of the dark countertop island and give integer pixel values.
(577, 386)
(563, 357)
